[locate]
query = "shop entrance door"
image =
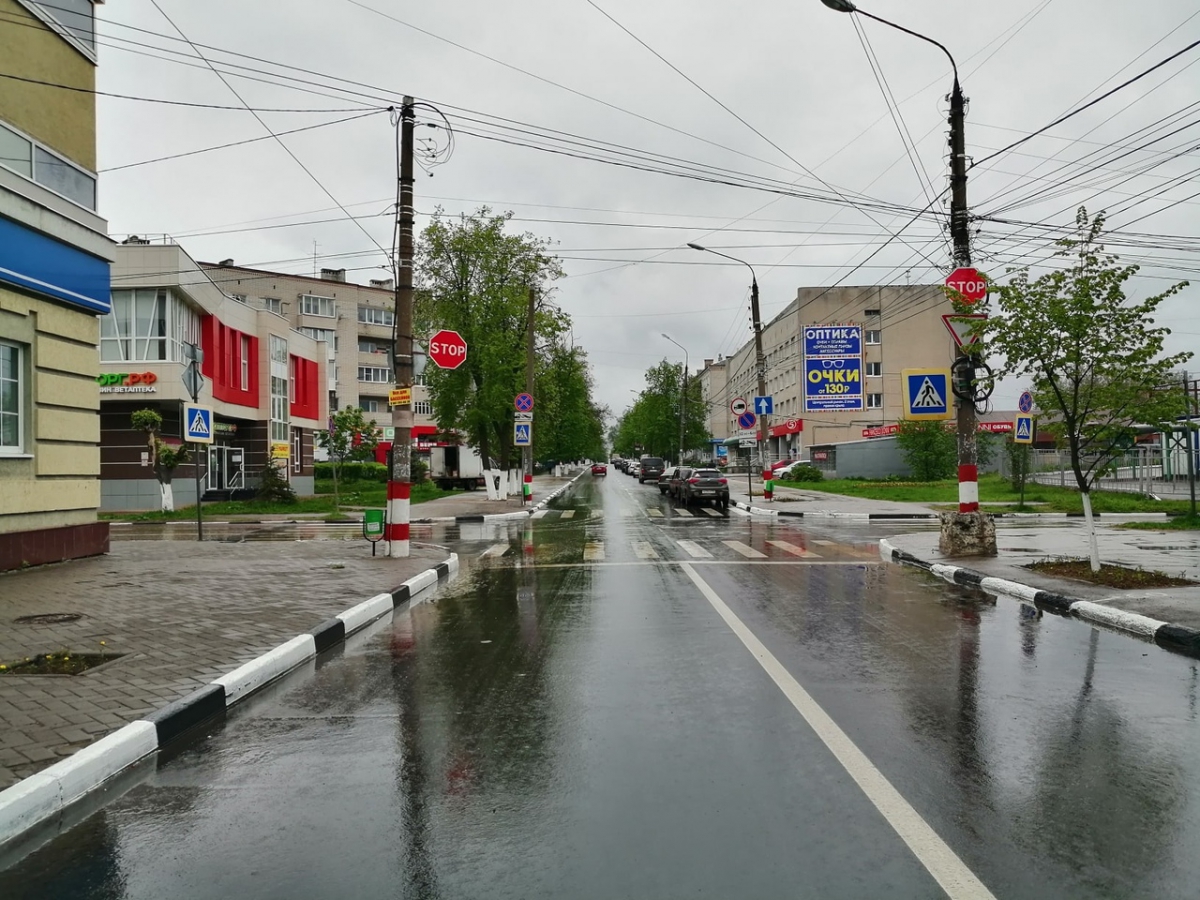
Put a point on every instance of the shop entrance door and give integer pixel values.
(226, 468)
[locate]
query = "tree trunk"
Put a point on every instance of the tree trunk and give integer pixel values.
(168, 496)
(1093, 547)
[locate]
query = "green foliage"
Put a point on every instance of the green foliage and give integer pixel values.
(475, 278)
(273, 487)
(1018, 464)
(569, 424)
(929, 448)
(146, 420)
(164, 459)
(351, 434)
(651, 426)
(418, 470)
(353, 471)
(805, 473)
(1095, 357)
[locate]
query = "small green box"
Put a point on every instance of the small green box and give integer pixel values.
(373, 524)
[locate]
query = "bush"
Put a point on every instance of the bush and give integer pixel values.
(805, 473)
(273, 487)
(929, 448)
(352, 471)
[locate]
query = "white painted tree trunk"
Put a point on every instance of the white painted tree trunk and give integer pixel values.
(168, 497)
(1093, 547)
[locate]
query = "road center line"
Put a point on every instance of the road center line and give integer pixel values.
(959, 882)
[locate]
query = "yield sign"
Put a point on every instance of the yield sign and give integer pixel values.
(960, 327)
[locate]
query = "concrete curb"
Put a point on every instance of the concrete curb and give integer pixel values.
(43, 796)
(1172, 637)
(829, 514)
(500, 517)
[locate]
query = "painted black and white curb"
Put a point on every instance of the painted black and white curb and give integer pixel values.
(1173, 637)
(500, 517)
(43, 796)
(831, 514)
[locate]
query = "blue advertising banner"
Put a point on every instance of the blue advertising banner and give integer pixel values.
(833, 368)
(41, 264)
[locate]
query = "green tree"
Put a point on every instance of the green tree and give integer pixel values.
(350, 435)
(1095, 357)
(929, 448)
(475, 278)
(273, 487)
(164, 458)
(570, 425)
(651, 426)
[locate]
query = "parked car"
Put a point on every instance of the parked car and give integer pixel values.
(664, 480)
(599, 469)
(650, 468)
(634, 468)
(705, 484)
(681, 474)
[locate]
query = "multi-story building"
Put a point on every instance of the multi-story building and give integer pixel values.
(265, 381)
(54, 282)
(714, 396)
(356, 321)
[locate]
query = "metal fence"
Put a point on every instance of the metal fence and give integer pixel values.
(1142, 470)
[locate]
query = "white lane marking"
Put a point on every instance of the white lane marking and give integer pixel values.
(593, 551)
(569, 514)
(959, 882)
(710, 511)
(826, 543)
(596, 513)
(694, 550)
(794, 550)
(644, 550)
(540, 513)
(680, 511)
(744, 549)
(494, 550)
(654, 513)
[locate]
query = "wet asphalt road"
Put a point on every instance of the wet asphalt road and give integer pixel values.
(628, 702)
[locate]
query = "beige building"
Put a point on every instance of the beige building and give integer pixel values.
(900, 327)
(54, 283)
(716, 403)
(355, 321)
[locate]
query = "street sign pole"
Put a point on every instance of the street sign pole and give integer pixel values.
(193, 381)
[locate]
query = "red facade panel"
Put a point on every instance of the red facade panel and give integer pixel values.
(305, 388)
(230, 362)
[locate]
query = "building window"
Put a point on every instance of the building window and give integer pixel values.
(422, 408)
(278, 349)
(311, 305)
(273, 304)
(297, 450)
(872, 336)
(245, 362)
(373, 405)
(147, 326)
(240, 298)
(27, 157)
(872, 313)
(328, 335)
(78, 17)
(874, 401)
(373, 315)
(369, 346)
(16, 152)
(280, 373)
(11, 401)
(874, 369)
(375, 374)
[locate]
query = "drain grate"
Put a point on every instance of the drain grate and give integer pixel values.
(48, 619)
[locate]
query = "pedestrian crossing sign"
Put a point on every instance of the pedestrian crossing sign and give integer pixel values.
(926, 394)
(523, 434)
(197, 423)
(1023, 430)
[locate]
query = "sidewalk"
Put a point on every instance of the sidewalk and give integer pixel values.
(473, 504)
(180, 614)
(792, 501)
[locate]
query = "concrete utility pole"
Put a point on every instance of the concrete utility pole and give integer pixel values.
(399, 489)
(527, 452)
(682, 392)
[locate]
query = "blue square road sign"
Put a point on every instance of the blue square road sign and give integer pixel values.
(926, 394)
(523, 434)
(197, 423)
(764, 406)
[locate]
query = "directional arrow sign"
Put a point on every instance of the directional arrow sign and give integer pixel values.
(764, 406)
(960, 327)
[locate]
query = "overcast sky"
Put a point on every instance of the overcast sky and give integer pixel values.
(793, 71)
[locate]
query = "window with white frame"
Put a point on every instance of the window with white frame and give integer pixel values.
(240, 298)
(872, 336)
(77, 16)
(328, 335)
(373, 404)
(27, 157)
(245, 362)
(273, 304)
(365, 345)
(312, 305)
(874, 401)
(147, 326)
(375, 374)
(874, 369)
(373, 315)
(422, 408)
(12, 401)
(279, 390)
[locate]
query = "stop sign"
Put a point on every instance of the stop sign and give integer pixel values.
(447, 349)
(971, 286)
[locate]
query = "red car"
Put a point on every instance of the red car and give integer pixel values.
(599, 469)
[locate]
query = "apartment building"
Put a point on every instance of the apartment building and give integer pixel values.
(265, 381)
(714, 395)
(54, 283)
(356, 322)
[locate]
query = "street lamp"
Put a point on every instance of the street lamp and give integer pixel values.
(682, 391)
(760, 359)
(976, 538)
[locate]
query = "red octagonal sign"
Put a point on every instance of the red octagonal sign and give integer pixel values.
(447, 349)
(971, 286)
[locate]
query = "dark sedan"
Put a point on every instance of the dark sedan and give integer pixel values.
(705, 484)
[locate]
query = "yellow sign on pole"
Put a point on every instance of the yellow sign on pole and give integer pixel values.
(281, 450)
(399, 396)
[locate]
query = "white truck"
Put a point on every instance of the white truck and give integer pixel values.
(456, 467)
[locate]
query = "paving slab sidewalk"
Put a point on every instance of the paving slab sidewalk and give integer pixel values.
(476, 503)
(180, 614)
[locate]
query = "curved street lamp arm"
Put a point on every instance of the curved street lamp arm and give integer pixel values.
(915, 34)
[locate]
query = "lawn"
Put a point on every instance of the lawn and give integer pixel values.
(354, 495)
(1181, 523)
(994, 489)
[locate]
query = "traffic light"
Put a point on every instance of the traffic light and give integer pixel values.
(962, 379)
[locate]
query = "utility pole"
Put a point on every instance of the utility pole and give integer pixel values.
(682, 401)
(399, 489)
(960, 236)
(527, 452)
(760, 361)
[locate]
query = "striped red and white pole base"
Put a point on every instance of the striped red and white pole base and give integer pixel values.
(968, 489)
(396, 532)
(528, 488)
(768, 485)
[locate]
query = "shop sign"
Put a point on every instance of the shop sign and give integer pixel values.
(224, 428)
(880, 431)
(996, 427)
(127, 383)
(281, 450)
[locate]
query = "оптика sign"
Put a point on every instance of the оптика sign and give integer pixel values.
(127, 383)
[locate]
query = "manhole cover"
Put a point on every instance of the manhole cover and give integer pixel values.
(48, 619)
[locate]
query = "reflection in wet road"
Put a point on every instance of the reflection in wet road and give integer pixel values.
(575, 717)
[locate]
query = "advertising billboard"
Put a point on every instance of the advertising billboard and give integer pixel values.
(833, 368)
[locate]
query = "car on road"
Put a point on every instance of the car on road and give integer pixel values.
(678, 477)
(664, 480)
(599, 469)
(634, 468)
(650, 468)
(705, 484)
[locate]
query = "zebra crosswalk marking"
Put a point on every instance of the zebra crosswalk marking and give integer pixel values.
(597, 513)
(694, 550)
(794, 550)
(644, 550)
(683, 512)
(568, 514)
(710, 511)
(655, 513)
(494, 551)
(745, 550)
(540, 513)
(593, 551)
